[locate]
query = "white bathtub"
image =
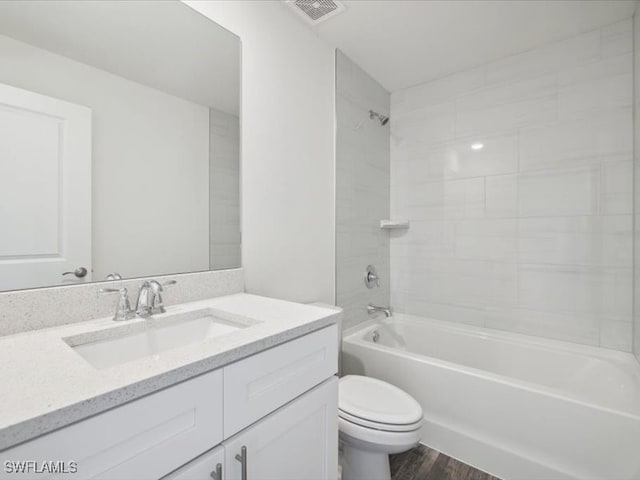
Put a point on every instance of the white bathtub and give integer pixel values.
(516, 406)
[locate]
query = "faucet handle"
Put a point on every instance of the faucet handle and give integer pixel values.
(110, 291)
(371, 278)
(123, 309)
(157, 303)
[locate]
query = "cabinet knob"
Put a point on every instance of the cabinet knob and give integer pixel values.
(242, 458)
(217, 473)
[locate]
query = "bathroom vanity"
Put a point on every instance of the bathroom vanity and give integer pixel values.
(256, 401)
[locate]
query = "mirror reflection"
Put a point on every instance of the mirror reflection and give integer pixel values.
(119, 142)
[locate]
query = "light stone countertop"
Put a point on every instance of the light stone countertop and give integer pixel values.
(46, 385)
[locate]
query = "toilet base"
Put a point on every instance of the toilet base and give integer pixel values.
(359, 464)
(362, 460)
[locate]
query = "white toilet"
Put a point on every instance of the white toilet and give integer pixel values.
(375, 419)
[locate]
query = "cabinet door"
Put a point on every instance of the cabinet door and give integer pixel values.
(297, 442)
(144, 439)
(207, 466)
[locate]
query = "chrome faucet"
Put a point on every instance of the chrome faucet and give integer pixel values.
(150, 298)
(123, 310)
(371, 309)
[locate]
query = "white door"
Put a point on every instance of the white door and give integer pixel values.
(297, 442)
(45, 190)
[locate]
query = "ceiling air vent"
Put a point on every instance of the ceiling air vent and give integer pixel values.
(316, 11)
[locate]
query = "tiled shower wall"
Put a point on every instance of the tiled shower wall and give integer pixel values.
(636, 183)
(533, 232)
(224, 190)
(362, 190)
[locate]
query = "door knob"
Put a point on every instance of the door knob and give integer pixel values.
(78, 272)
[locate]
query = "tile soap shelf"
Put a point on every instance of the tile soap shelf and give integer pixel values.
(394, 224)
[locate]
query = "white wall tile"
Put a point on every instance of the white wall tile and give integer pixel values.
(533, 233)
(579, 328)
(498, 156)
(501, 196)
(424, 162)
(558, 193)
(426, 201)
(617, 39)
(545, 60)
(606, 67)
(362, 191)
(507, 116)
(487, 239)
(453, 313)
(515, 92)
(616, 335)
(583, 240)
(603, 136)
(617, 188)
(433, 124)
(604, 292)
(636, 184)
(357, 86)
(464, 198)
(437, 91)
(606, 93)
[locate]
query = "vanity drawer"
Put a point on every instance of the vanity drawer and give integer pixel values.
(146, 438)
(260, 384)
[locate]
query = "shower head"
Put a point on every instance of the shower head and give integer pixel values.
(382, 118)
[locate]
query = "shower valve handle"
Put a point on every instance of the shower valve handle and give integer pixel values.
(371, 278)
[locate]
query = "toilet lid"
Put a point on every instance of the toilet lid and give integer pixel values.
(377, 401)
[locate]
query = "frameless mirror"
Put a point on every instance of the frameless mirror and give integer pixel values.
(119, 142)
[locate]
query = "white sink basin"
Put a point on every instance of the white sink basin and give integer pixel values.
(153, 336)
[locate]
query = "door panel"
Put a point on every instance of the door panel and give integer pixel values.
(45, 189)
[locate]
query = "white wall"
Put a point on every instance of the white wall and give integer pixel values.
(362, 190)
(533, 233)
(140, 227)
(287, 117)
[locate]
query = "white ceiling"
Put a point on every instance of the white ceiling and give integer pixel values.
(165, 45)
(403, 43)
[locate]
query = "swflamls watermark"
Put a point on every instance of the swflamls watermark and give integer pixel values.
(40, 466)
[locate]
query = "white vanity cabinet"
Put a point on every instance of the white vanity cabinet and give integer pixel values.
(279, 404)
(142, 439)
(207, 466)
(297, 442)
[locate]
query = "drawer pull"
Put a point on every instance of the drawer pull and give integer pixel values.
(242, 458)
(217, 473)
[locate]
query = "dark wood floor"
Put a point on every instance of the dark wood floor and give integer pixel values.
(423, 463)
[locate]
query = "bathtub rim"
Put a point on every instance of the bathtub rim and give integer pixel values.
(355, 335)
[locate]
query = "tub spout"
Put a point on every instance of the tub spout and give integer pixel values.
(371, 309)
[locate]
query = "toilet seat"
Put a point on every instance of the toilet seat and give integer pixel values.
(386, 427)
(388, 440)
(372, 403)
